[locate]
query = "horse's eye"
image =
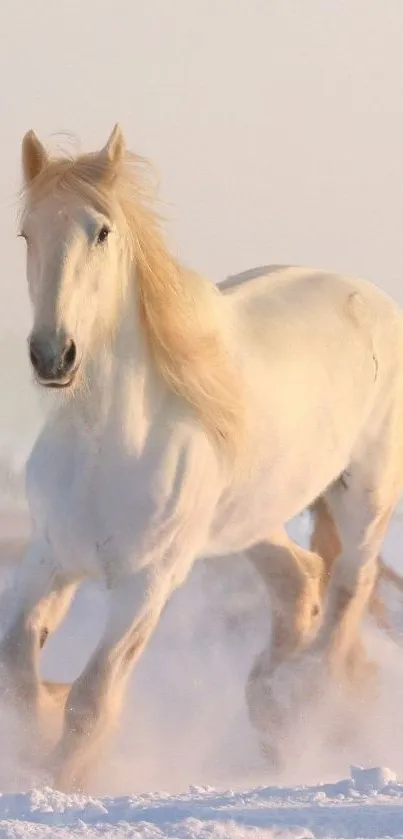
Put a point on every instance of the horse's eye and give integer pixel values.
(103, 234)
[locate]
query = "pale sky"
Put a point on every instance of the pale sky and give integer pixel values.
(276, 125)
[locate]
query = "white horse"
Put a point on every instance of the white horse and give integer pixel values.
(188, 422)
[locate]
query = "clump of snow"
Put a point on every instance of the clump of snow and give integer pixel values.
(372, 780)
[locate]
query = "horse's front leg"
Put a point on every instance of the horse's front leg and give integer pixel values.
(39, 600)
(95, 699)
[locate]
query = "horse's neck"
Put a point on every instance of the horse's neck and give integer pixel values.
(123, 391)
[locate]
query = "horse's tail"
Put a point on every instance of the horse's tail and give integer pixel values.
(325, 541)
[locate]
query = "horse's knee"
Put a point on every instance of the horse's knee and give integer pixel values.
(297, 615)
(306, 612)
(43, 636)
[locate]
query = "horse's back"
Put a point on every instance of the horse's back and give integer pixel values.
(233, 281)
(310, 304)
(293, 283)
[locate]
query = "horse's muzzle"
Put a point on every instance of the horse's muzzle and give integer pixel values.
(53, 358)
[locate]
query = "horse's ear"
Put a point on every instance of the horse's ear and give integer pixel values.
(34, 156)
(115, 148)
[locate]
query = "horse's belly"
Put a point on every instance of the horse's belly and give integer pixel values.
(263, 505)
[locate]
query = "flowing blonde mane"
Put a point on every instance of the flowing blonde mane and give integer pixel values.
(180, 311)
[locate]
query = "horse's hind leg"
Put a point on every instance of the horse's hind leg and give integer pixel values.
(359, 671)
(294, 578)
(361, 509)
(325, 541)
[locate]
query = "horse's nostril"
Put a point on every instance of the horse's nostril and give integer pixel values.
(69, 355)
(34, 357)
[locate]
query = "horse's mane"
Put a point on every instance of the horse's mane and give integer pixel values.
(180, 311)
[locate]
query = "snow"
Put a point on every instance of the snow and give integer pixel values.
(327, 810)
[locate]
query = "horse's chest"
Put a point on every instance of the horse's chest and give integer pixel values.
(87, 509)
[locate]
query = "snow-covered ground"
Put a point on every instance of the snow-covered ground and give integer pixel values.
(328, 810)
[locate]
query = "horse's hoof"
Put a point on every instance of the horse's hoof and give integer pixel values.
(64, 777)
(68, 784)
(277, 700)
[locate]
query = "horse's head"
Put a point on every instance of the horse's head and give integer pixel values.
(76, 254)
(94, 244)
